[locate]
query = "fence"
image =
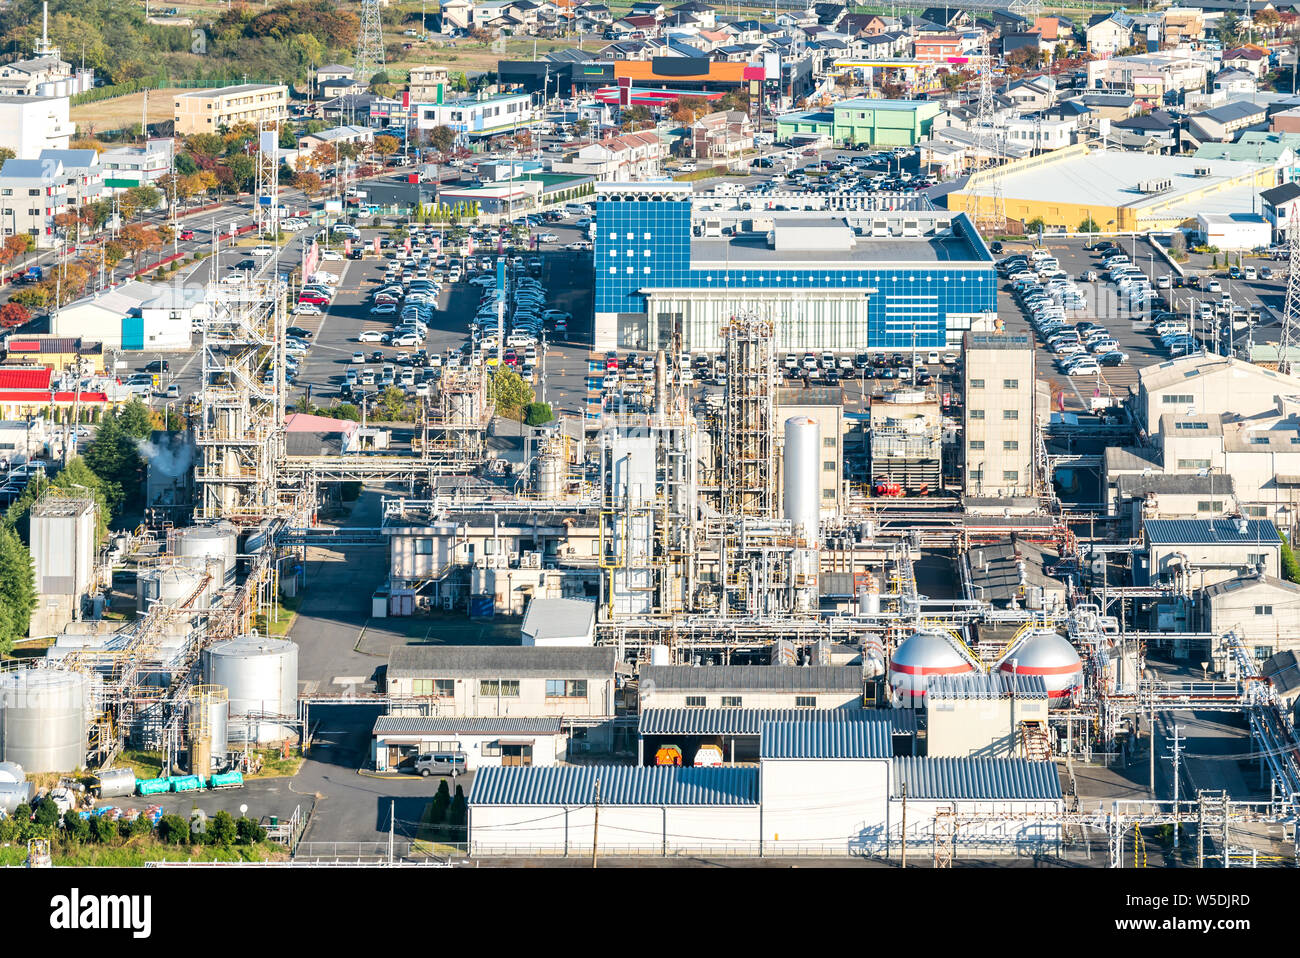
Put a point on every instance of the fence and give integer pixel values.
(400, 850)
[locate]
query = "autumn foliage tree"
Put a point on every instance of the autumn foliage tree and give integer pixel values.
(307, 181)
(14, 314)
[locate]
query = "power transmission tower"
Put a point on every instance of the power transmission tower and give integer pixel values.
(370, 43)
(990, 217)
(1291, 313)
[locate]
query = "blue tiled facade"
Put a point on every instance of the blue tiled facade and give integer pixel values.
(646, 244)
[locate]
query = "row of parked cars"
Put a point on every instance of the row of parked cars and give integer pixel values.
(1048, 295)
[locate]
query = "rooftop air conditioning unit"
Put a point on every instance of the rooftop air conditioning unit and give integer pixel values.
(1155, 186)
(1201, 171)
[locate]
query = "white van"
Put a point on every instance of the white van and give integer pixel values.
(708, 756)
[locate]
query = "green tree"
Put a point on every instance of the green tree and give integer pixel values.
(391, 404)
(459, 809)
(173, 830)
(6, 154)
(441, 803)
(102, 829)
(538, 413)
(1089, 225)
(47, 814)
(510, 393)
(1229, 29)
(17, 589)
(248, 831)
(1290, 568)
(221, 830)
(1034, 225)
(442, 138)
(75, 828)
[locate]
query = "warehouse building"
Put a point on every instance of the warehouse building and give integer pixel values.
(397, 740)
(870, 122)
(134, 316)
(1118, 190)
(1202, 552)
(981, 715)
(820, 788)
(840, 280)
(559, 622)
(750, 686)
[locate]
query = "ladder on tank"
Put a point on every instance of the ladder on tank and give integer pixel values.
(1034, 741)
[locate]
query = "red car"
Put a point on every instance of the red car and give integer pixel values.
(511, 358)
(315, 299)
(187, 234)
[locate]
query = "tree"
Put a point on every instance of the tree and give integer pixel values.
(14, 314)
(222, 831)
(17, 589)
(1035, 225)
(75, 828)
(386, 145)
(102, 829)
(538, 413)
(1290, 568)
(138, 239)
(391, 404)
(173, 830)
(248, 832)
(442, 138)
(6, 154)
(308, 182)
(1229, 29)
(441, 803)
(510, 393)
(1089, 225)
(459, 809)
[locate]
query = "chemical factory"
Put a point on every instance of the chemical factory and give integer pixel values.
(732, 604)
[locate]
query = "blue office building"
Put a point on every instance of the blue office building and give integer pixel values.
(670, 263)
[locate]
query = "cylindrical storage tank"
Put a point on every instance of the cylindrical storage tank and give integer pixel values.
(916, 660)
(550, 475)
(172, 587)
(208, 715)
(11, 773)
(43, 719)
(1050, 655)
(660, 655)
(261, 679)
(116, 782)
(218, 541)
(803, 477)
(13, 794)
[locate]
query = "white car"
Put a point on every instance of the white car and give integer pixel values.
(1215, 286)
(263, 250)
(358, 357)
(306, 309)
(331, 256)
(371, 336)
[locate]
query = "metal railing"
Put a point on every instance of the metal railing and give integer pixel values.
(399, 850)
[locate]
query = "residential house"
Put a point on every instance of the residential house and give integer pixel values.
(1108, 33)
(631, 156)
(1223, 123)
(722, 134)
(457, 15)
(951, 18)
(1279, 203)
(1180, 26)
(1156, 127)
(427, 84)
(1250, 60)
(937, 48)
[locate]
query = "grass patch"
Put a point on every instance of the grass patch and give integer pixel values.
(274, 765)
(706, 174)
(25, 649)
(144, 764)
(287, 607)
(135, 852)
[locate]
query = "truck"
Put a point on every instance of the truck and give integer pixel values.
(32, 274)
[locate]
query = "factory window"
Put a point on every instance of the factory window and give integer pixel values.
(1010, 475)
(695, 701)
(1177, 400)
(491, 750)
(1209, 505)
(1263, 651)
(1257, 558)
(422, 686)
(1191, 425)
(805, 701)
(731, 701)
(1193, 464)
(1258, 512)
(1011, 384)
(506, 688)
(828, 442)
(828, 465)
(1010, 445)
(424, 547)
(1011, 414)
(828, 493)
(977, 413)
(977, 384)
(444, 688)
(1263, 610)
(977, 445)
(566, 688)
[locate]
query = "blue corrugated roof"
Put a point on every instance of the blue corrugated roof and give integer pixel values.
(619, 785)
(869, 739)
(742, 721)
(976, 779)
(1208, 531)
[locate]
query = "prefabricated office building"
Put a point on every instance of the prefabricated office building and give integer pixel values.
(818, 789)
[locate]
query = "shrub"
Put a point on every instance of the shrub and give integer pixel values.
(538, 413)
(173, 830)
(221, 830)
(248, 832)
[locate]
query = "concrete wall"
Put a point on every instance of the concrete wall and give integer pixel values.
(530, 702)
(1028, 827)
(625, 829)
(839, 806)
(979, 728)
(750, 699)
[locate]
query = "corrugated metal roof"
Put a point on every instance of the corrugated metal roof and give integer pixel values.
(619, 785)
(993, 685)
(470, 725)
(977, 779)
(869, 739)
(559, 618)
(744, 721)
(746, 678)
(1208, 531)
(503, 661)
(25, 378)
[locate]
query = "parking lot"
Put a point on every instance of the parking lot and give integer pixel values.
(1133, 332)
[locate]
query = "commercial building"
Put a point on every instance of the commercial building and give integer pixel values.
(28, 391)
(1203, 552)
(999, 415)
(514, 681)
(29, 124)
(827, 279)
(210, 111)
(130, 166)
(473, 119)
(134, 316)
(427, 84)
(1118, 190)
(864, 121)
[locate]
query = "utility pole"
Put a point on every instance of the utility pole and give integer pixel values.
(392, 804)
(1151, 690)
(904, 865)
(595, 827)
(1176, 755)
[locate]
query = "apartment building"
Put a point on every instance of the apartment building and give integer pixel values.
(209, 111)
(29, 124)
(32, 193)
(428, 84)
(999, 419)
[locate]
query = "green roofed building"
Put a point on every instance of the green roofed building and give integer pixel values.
(864, 121)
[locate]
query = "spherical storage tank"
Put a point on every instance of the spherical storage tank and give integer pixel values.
(261, 676)
(1050, 655)
(170, 586)
(43, 719)
(916, 660)
(194, 546)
